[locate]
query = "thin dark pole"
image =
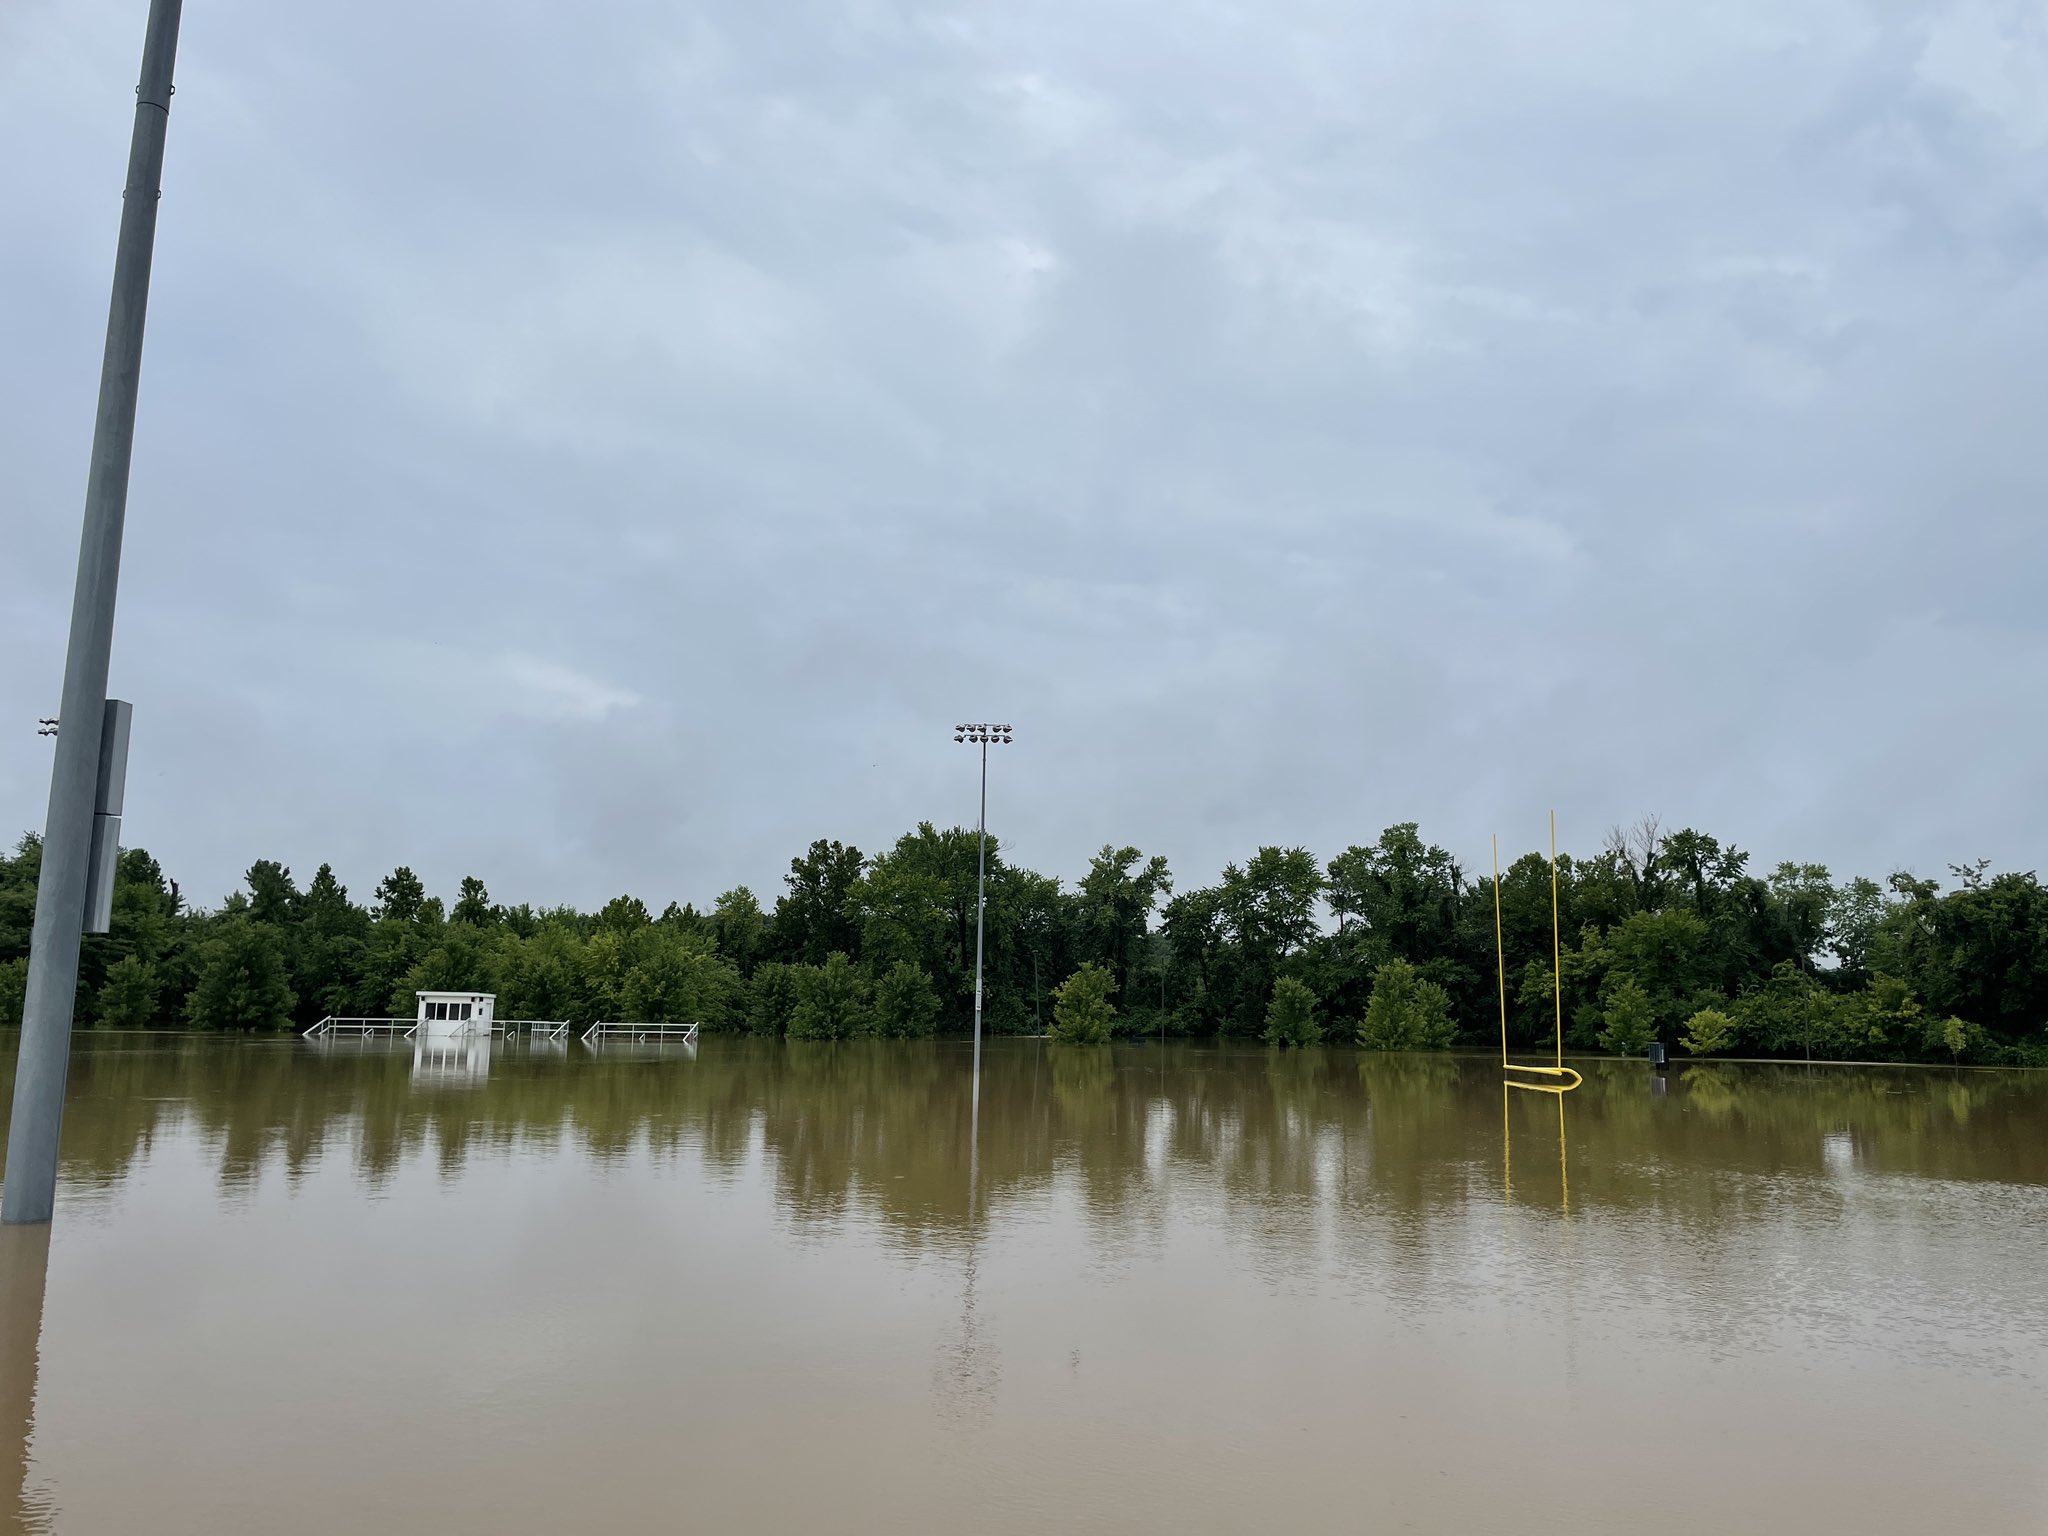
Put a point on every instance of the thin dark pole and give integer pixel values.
(980, 910)
(982, 734)
(31, 1171)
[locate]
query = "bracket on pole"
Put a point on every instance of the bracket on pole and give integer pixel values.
(105, 853)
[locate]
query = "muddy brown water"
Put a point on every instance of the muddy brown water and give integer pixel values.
(1192, 1289)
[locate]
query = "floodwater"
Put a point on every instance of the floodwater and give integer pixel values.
(774, 1287)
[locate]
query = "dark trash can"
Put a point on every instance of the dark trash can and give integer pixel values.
(1658, 1057)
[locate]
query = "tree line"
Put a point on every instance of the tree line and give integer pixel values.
(1666, 936)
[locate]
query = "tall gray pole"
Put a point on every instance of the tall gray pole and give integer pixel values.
(31, 1170)
(980, 912)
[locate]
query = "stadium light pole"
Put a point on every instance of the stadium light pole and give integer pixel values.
(79, 776)
(984, 736)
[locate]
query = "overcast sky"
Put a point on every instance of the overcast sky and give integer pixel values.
(604, 447)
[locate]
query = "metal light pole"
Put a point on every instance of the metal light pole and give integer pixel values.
(76, 779)
(985, 736)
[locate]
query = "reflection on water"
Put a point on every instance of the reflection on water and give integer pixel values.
(24, 1259)
(461, 1061)
(1508, 1091)
(867, 1295)
(891, 1123)
(624, 1048)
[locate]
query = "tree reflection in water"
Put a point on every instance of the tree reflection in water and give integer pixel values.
(891, 1130)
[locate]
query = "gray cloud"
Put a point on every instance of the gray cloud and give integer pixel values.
(605, 452)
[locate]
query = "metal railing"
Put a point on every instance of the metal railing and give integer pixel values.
(539, 1029)
(613, 1030)
(332, 1025)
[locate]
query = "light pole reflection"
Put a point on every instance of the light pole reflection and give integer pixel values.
(969, 1369)
(24, 1265)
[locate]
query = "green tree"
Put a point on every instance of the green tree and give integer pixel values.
(1670, 955)
(1955, 1038)
(740, 928)
(1407, 893)
(473, 904)
(400, 895)
(623, 915)
(1702, 872)
(1403, 899)
(821, 912)
(606, 961)
(1962, 1039)
(1883, 1020)
(684, 919)
(1856, 919)
(1082, 1013)
(128, 996)
(272, 896)
(1291, 1016)
(680, 981)
(1198, 957)
(1629, 1024)
(147, 922)
(13, 990)
(1784, 1016)
(1980, 952)
(832, 1002)
(1031, 945)
(771, 998)
(18, 876)
(327, 953)
(1708, 1031)
(1115, 905)
(388, 955)
(1270, 904)
(917, 904)
(241, 979)
(1407, 1012)
(325, 903)
(1802, 901)
(1229, 943)
(906, 1006)
(457, 958)
(542, 977)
